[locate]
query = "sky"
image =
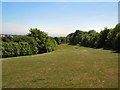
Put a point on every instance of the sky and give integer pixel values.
(57, 18)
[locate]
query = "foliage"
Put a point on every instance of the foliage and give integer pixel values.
(13, 49)
(61, 40)
(44, 42)
(109, 38)
(35, 42)
(102, 38)
(39, 42)
(30, 40)
(7, 39)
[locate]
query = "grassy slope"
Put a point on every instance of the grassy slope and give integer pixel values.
(68, 66)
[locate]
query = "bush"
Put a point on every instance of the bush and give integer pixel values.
(30, 40)
(25, 49)
(10, 49)
(33, 43)
(44, 42)
(13, 49)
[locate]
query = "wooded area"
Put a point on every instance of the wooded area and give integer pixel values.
(109, 38)
(37, 41)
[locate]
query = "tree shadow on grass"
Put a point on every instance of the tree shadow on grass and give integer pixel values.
(112, 51)
(116, 52)
(104, 48)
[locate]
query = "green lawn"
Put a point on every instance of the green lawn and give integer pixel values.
(67, 67)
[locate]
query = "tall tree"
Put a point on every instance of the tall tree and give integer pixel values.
(102, 38)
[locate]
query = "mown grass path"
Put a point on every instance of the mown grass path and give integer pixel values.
(68, 66)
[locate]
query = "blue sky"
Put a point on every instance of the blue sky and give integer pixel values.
(58, 18)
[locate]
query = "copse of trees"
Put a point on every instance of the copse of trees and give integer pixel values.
(109, 38)
(35, 42)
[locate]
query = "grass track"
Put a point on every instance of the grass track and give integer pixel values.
(66, 67)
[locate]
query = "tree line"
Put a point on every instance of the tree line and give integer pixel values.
(33, 43)
(109, 38)
(37, 41)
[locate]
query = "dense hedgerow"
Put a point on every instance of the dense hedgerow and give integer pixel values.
(34, 43)
(12, 49)
(107, 38)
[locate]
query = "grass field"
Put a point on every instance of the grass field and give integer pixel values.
(67, 67)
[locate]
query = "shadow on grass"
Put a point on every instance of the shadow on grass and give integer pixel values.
(104, 48)
(116, 52)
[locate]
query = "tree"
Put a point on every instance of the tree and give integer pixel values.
(102, 38)
(58, 40)
(70, 38)
(115, 36)
(117, 42)
(93, 37)
(86, 40)
(43, 40)
(75, 38)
